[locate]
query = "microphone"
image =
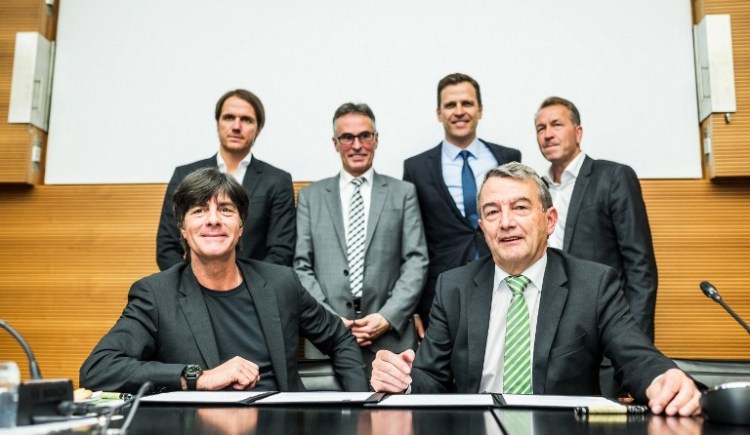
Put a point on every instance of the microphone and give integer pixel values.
(710, 291)
(37, 398)
(33, 366)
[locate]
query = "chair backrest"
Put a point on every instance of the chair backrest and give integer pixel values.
(715, 372)
(318, 375)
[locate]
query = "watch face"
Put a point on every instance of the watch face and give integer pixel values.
(193, 370)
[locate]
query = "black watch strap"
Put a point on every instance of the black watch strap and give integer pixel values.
(191, 373)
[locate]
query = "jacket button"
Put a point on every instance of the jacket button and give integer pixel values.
(346, 272)
(348, 305)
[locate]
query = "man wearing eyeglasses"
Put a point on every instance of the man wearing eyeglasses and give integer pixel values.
(361, 249)
(240, 117)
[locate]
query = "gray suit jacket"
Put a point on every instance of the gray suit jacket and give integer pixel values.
(395, 254)
(582, 317)
(607, 223)
(166, 326)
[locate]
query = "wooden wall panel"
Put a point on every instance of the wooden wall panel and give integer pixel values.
(68, 255)
(701, 232)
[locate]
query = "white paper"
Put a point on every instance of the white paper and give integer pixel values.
(454, 400)
(552, 401)
(314, 397)
(203, 396)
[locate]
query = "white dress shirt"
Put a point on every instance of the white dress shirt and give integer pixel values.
(239, 174)
(346, 188)
(492, 370)
(561, 193)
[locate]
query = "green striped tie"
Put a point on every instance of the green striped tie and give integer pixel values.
(517, 358)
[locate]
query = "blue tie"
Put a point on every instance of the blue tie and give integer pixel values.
(469, 185)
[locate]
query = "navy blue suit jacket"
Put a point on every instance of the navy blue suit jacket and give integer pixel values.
(451, 240)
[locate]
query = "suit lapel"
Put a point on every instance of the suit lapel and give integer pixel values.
(435, 171)
(252, 177)
(551, 304)
(479, 302)
(196, 314)
(579, 192)
(268, 313)
(377, 202)
(332, 198)
(496, 151)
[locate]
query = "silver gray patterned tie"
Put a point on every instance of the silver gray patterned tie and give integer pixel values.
(517, 358)
(355, 244)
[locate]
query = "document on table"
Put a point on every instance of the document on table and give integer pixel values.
(437, 400)
(207, 397)
(552, 401)
(319, 398)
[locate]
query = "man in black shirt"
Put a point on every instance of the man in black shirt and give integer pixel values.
(218, 322)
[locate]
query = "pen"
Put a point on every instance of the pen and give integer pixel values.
(121, 396)
(624, 409)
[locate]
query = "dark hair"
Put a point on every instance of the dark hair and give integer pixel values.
(519, 171)
(575, 117)
(353, 108)
(454, 79)
(252, 99)
(201, 186)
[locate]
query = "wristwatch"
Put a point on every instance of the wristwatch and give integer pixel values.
(191, 373)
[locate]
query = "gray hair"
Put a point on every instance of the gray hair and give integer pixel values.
(356, 109)
(519, 171)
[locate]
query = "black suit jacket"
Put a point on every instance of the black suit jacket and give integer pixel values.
(450, 237)
(582, 317)
(270, 230)
(166, 326)
(607, 223)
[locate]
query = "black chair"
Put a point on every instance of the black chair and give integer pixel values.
(713, 372)
(318, 375)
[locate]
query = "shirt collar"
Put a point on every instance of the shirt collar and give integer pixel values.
(223, 166)
(535, 272)
(451, 151)
(347, 178)
(570, 172)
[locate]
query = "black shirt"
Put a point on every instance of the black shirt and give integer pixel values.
(238, 331)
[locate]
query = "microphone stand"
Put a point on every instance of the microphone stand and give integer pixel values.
(33, 366)
(37, 398)
(147, 386)
(710, 291)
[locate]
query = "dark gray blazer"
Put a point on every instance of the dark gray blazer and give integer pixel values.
(607, 223)
(450, 236)
(270, 227)
(166, 325)
(582, 317)
(395, 255)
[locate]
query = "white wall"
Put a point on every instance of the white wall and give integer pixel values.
(136, 81)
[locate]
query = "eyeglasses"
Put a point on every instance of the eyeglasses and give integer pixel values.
(365, 138)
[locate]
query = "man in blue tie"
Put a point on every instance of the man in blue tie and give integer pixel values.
(446, 178)
(532, 319)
